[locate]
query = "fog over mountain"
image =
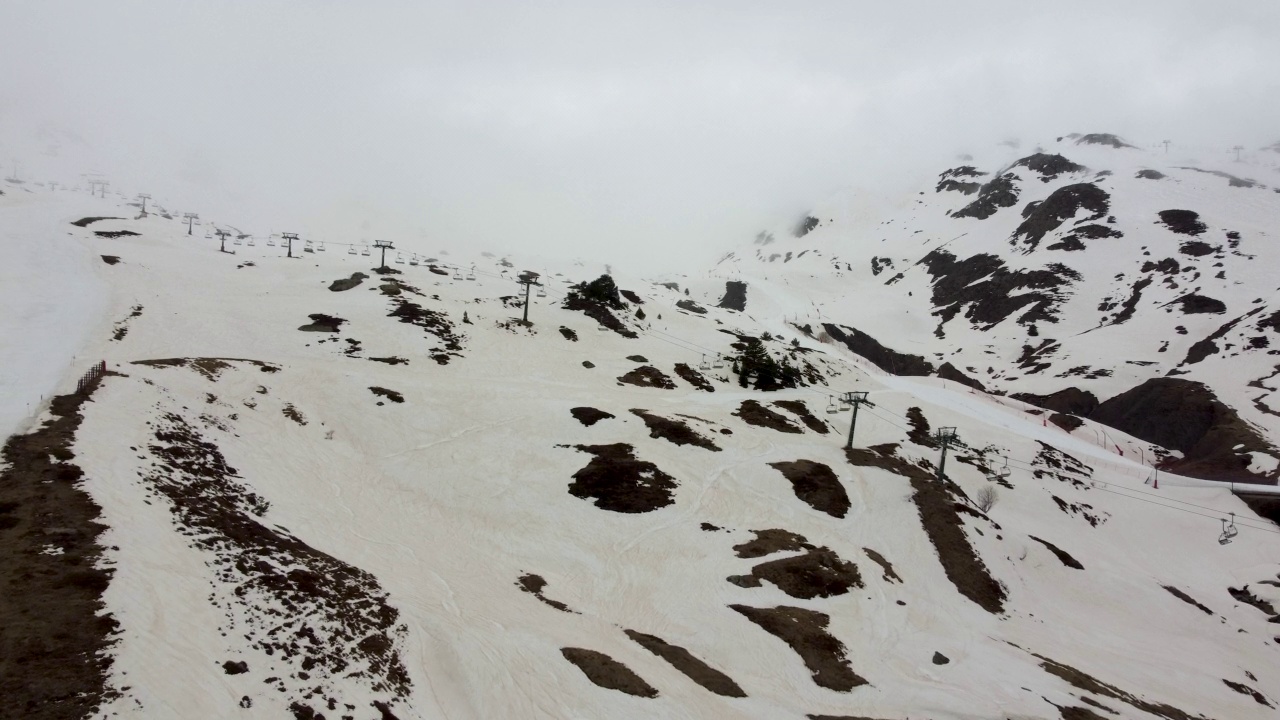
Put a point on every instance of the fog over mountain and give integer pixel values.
(600, 129)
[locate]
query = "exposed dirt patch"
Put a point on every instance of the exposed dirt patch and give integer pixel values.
(1070, 400)
(293, 414)
(534, 584)
(1183, 222)
(589, 416)
(1093, 685)
(1102, 139)
(819, 572)
(1067, 422)
(919, 432)
(348, 283)
(393, 360)
(114, 233)
(1059, 553)
(323, 323)
(1208, 345)
(1196, 304)
(805, 631)
(939, 505)
(391, 395)
(121, 328)
(676, 432)
(888, 360)
(694, 378)
(816, 485)
(886, 457)
(735, 296)
(691, 306)
(1246, 690)
(209, 367)
(54, 646)
(648, 376)
(1149, 174)
(885, 566)
(110, 259)
(767, 542)
(753, 413)
(684, 661)
(87, 221)
(1248, 598)
(947, 371)
(800, 410)
(338, 621)
(436, 324)
(1187, 599)
(599, 312)
(620, 482)
(608, 673)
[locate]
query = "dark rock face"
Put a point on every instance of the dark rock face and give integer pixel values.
(1186, 416)
(1183, 222)
(952, 373)
(344, 284)
(1049, 167)
(1197, 248)
(891, 361)
(1149, 174)
(589, 416)
(322, 323)
(949, 180)
(991, 293)
(1194, 304)
(1072, 401)
(998, 193)
(648, 376)
(1102, 139)
(1062, 205)
(691, 306)
(805, 226)
(735, 296)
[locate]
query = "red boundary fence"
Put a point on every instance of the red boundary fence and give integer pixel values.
(90, 379)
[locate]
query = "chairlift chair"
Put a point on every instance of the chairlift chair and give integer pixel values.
(471, 274)
(703, 364)
(457, 273)
(271, 242)
(237, 242)
(365, 250)
(542, 292)
(718, 362)
(832, 407)
(399, 259)
(413, 259)
(321, 248)
(351, 250)
(1228, 531)
(250, 242)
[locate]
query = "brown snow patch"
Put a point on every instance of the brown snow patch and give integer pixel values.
(620, 482)
(391, 395)
(648, 376)
(694, 378)
(589, 416)
(684, 661)
(938, 502)
(753, 413)
(819, 572)
(534, 584)
(805, 631)
(673, 431)
(816, 485)
(885, 565)
(608, 673)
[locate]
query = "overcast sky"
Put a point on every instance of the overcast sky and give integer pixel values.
(627, 132)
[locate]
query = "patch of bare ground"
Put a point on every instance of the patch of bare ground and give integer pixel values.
(87, 221)
(393, 360)
(598, 312)
(113, 234)
(674, 431)
(1063, 556)
(323, 323)
(589, 416)
(647, 376)
(684, 661)
(767, 542)
(533, 584)
(885, 565)
(568, 334)
(435, 323)
(54, 631)
(344, 284)
(608, 673)
(619, 481)
(1187, 599)
(391, 395)
(805, 631)
(122, 328)
(841, 717)
(753, 413)
(336, 620)
(111, 259)
(940, 504)
(1093, 685)
(800, 410)
(819, 572)
(919, 433)
(1245, 596)
(293, 414)
(694, 378)
(816, 485)
(1053, 463)
(209, 367)
(1246, 690)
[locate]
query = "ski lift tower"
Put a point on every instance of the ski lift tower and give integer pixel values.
(144, 197)
(528, 278)
(222, 237)
(855, 399)
(289, 238)
(944, 437)
(191, 219)
(384, 246)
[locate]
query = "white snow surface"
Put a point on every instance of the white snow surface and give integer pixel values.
(448, 498)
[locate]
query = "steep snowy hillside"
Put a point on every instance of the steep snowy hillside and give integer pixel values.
(1086, 276)
(310, 488)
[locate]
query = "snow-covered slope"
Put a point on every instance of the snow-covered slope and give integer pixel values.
(393, 501)
(1083, 264)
